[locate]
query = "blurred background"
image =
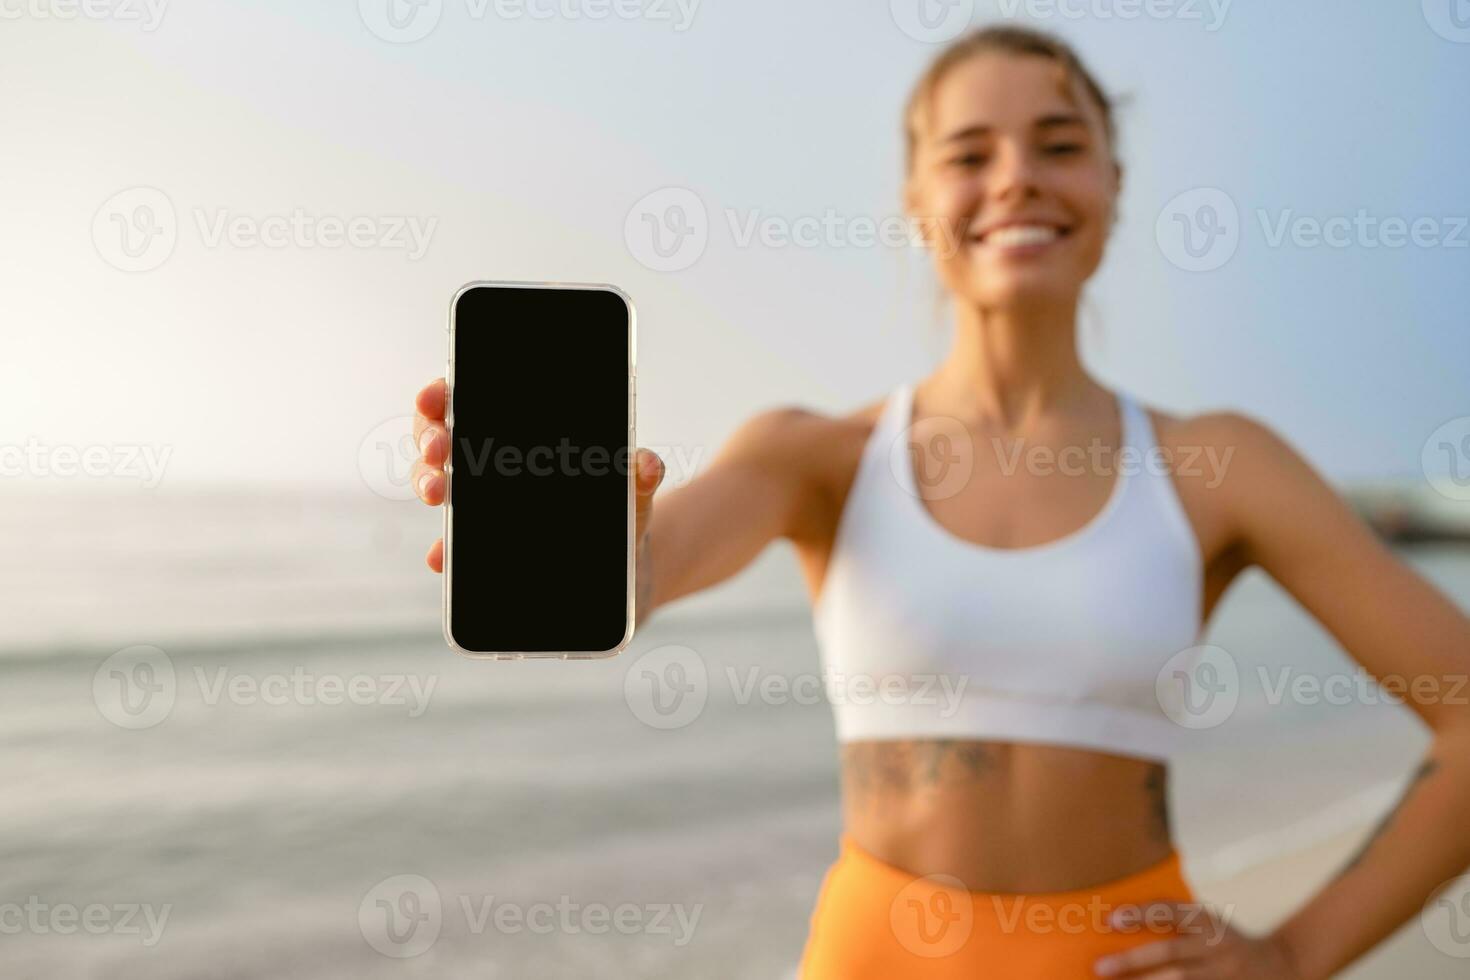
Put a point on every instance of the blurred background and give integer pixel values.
(233, 741)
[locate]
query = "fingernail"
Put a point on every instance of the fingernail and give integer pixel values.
(425, 438)
(1106, 966)
(424, 479)
(648, 470)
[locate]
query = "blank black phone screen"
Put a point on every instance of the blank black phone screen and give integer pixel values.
(538, 491)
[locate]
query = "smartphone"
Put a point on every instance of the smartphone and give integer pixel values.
(539, 499)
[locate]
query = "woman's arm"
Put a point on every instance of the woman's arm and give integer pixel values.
(1397, 625)
(761, 485)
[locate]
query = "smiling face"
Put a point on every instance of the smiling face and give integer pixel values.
(1013, 179)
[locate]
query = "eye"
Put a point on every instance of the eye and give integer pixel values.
(970, 159)
(1064, 149)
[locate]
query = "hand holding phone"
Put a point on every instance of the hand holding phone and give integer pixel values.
(529, 441)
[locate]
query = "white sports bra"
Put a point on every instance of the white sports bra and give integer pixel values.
(923, 634)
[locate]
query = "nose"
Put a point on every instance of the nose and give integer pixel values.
(1012, 173)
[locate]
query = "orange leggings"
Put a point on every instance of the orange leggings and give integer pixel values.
(873, 920)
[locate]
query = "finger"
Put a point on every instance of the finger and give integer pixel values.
(435, 557)
(1198, 971)
(1134, 963)
(428, 483)
(432, 439)
(429, 402)
(648, 474)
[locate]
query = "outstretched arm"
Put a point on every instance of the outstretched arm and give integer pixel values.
(761, 485)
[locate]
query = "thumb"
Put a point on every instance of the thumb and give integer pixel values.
(648, 474)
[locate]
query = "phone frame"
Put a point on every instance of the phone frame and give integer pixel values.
(449, 475)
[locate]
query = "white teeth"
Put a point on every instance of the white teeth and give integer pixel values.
(1013, 235)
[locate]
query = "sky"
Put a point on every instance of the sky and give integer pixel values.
(230, 231)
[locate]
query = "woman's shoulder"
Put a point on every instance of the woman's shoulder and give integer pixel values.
(1217, 429)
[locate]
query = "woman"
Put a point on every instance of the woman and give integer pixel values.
(990, 835)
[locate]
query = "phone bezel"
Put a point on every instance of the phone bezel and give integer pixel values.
(449, 476)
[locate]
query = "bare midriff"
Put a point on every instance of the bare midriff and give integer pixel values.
(1006, 816)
